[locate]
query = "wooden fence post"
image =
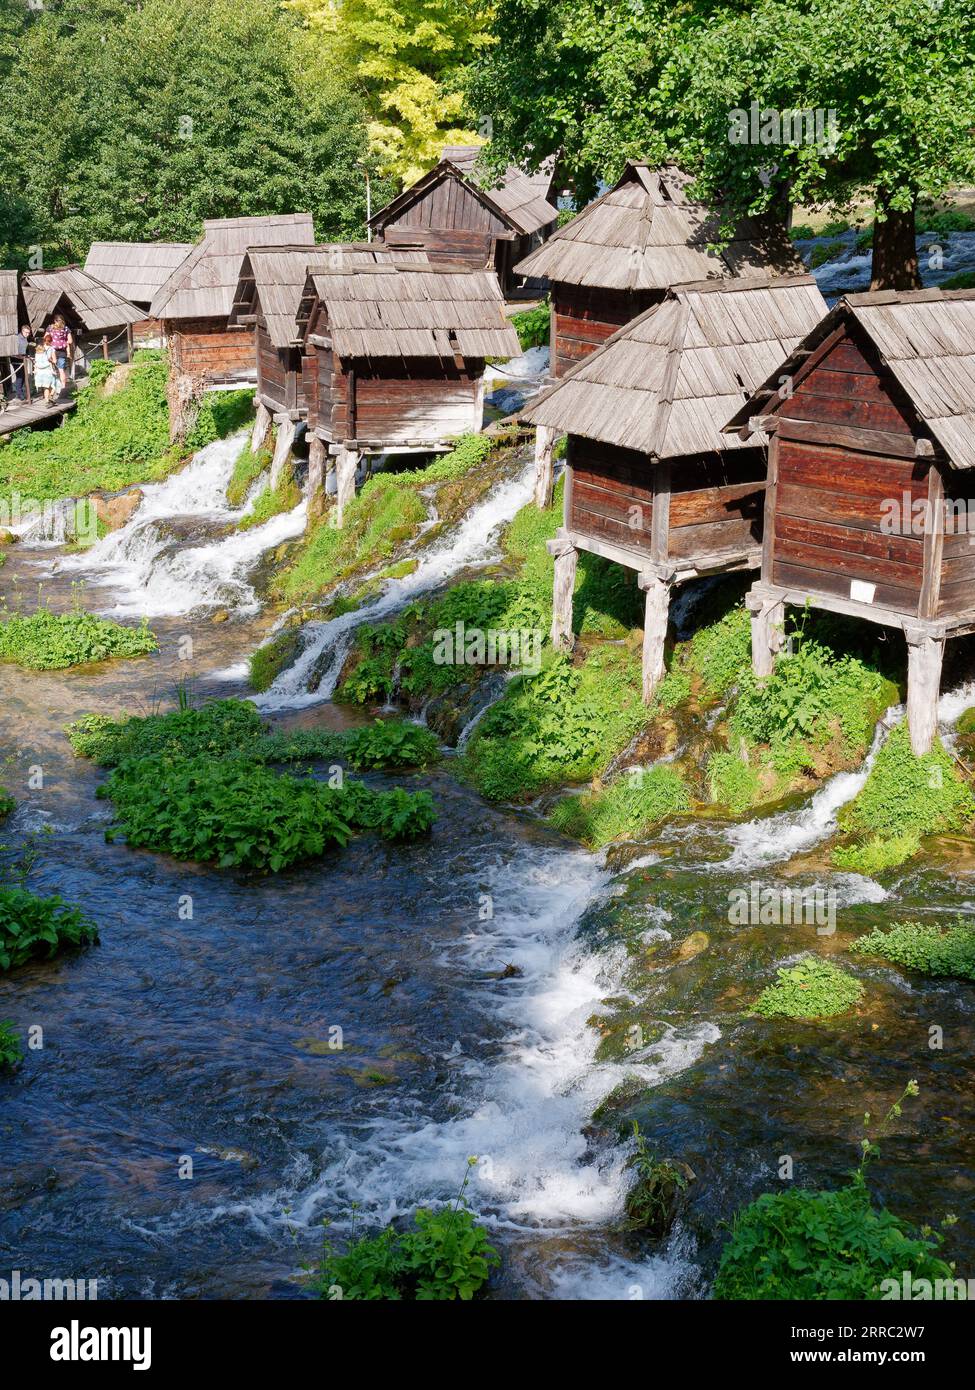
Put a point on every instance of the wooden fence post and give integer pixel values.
(545, 438)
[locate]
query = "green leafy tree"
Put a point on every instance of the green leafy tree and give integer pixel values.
(407, 57)
(603, 81)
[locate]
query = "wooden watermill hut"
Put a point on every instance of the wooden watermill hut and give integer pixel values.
(100, 319)
(137, 270)
(870, 508)
(451, 217)
(195, 304)
(624, 251)
(395, 355)
(13, 317)
(651, 482)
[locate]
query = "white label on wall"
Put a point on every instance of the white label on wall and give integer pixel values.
(862, 591)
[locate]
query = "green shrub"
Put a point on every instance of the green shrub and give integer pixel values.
(802, 232)
(732, 782)
(877, 853)
(240, 814)
(823, 254)
(391, 744)
(964, 280)
(720, 653)
(445, 1255)
(813, 988)
(836, 227)
(943, 223)
(799, 1245)
(31, 926)
(46, 641)
(11, 1051)
(630, 806)
(213, 730)
(7, 804)
(534, 326)
(925, 947)
(903, 793)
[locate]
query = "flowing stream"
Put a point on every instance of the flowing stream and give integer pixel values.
(499, 991)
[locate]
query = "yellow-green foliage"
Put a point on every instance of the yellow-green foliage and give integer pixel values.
(271, 658)
(630, 807)
(272, 501)
(925, 795)
(247, 470)
(877, 853)
(925, 947)
(732, 782)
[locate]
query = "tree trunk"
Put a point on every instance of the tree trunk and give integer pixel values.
(895, 264)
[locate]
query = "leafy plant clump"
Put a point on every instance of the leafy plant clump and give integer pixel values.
(241, 814)
(7, 804)
(813, 988)
(534, 326)
(924, 947)
(630, 806)
(269, 660)
(46, 641)
(800, 1244)
(247, 469)
(732, 782)
(272, 501)
(877, 853)
(444, 1256)
(32, 926)
(720, 652)
(11, 1051)
(906, 794)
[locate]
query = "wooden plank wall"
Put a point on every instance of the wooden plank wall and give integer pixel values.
(715, 502)
(475, 249)
(583, 318)
(394, 401)
(957, 592)
(829, 505)
(272, 375)
(208, 348)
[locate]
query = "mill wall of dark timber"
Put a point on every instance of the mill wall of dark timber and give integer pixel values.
(715, 502)
(279, 374)
(583, 317)
(209, 350)
(843, 453)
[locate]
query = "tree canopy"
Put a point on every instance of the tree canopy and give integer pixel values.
(124, 121)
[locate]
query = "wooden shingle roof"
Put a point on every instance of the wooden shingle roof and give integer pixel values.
(95, 305)
(645, 234)
(135, 269)
(392, 309)
(926, 338)
(273, 278)
(517, 204)
(522, 197)
(666, 383)
(203, 285)
(12, 312)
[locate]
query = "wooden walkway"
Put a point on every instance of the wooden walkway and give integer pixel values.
(19, 415)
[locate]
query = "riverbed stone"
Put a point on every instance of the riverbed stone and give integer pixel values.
(693, 945)
(114, 512)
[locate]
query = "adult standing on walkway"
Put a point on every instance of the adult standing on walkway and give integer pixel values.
(20, 362)
(63, 344)
(46, 375)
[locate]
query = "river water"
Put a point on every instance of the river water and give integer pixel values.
(467, 974)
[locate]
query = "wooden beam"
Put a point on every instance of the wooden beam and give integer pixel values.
(934, 539)
(563, 588)
(660, 515)
(847, 437)
(924, 659)
(656, 613)
(545, 438)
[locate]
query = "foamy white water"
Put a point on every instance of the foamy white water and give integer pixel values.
(153, 576)
(326, 644)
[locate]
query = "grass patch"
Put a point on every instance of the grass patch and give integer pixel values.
(270, 659)
(114, 438)
(629, 808)
(272, 501)
(733, 782)
(719, 653)
(924, 947)
(879, 852)
(33, 927)
(46, 641)
(925, 795)
(247, 469)
(813, 988)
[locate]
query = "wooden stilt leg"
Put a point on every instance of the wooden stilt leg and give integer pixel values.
(654, 632)
(346, 463)
(282, 450)
(315, 486)
(767, 622)
(566, 559)
(262, 428)
(924, 659)
(545, 438)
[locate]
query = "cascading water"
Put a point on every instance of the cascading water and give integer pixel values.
(327, 643)
(149, 566)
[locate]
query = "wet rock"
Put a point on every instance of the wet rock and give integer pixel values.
(7, 538)
(654, 1200)
(221, 616)
(115, 511)
(693, 945)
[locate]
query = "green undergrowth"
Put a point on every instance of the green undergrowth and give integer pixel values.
(270, 659)
(813, 988)
(630, 807)
(926, 947)
(385, 513)
(11, 1051)
(33, 927)
(201, 784)
(533, 326)
(248, 467)
(272, 501)
(46, 641)
(114, 437)
(7, 804)
(877, 852)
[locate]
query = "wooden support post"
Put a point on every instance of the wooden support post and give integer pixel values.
(315, 486)
(105, 346)
(282, 450)
(129, 341)
(545, 438)
(657, 611)
(478, 422)
(346, 463)
(262, 428)
(767, 623)
(924, 658)
(566, 559)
